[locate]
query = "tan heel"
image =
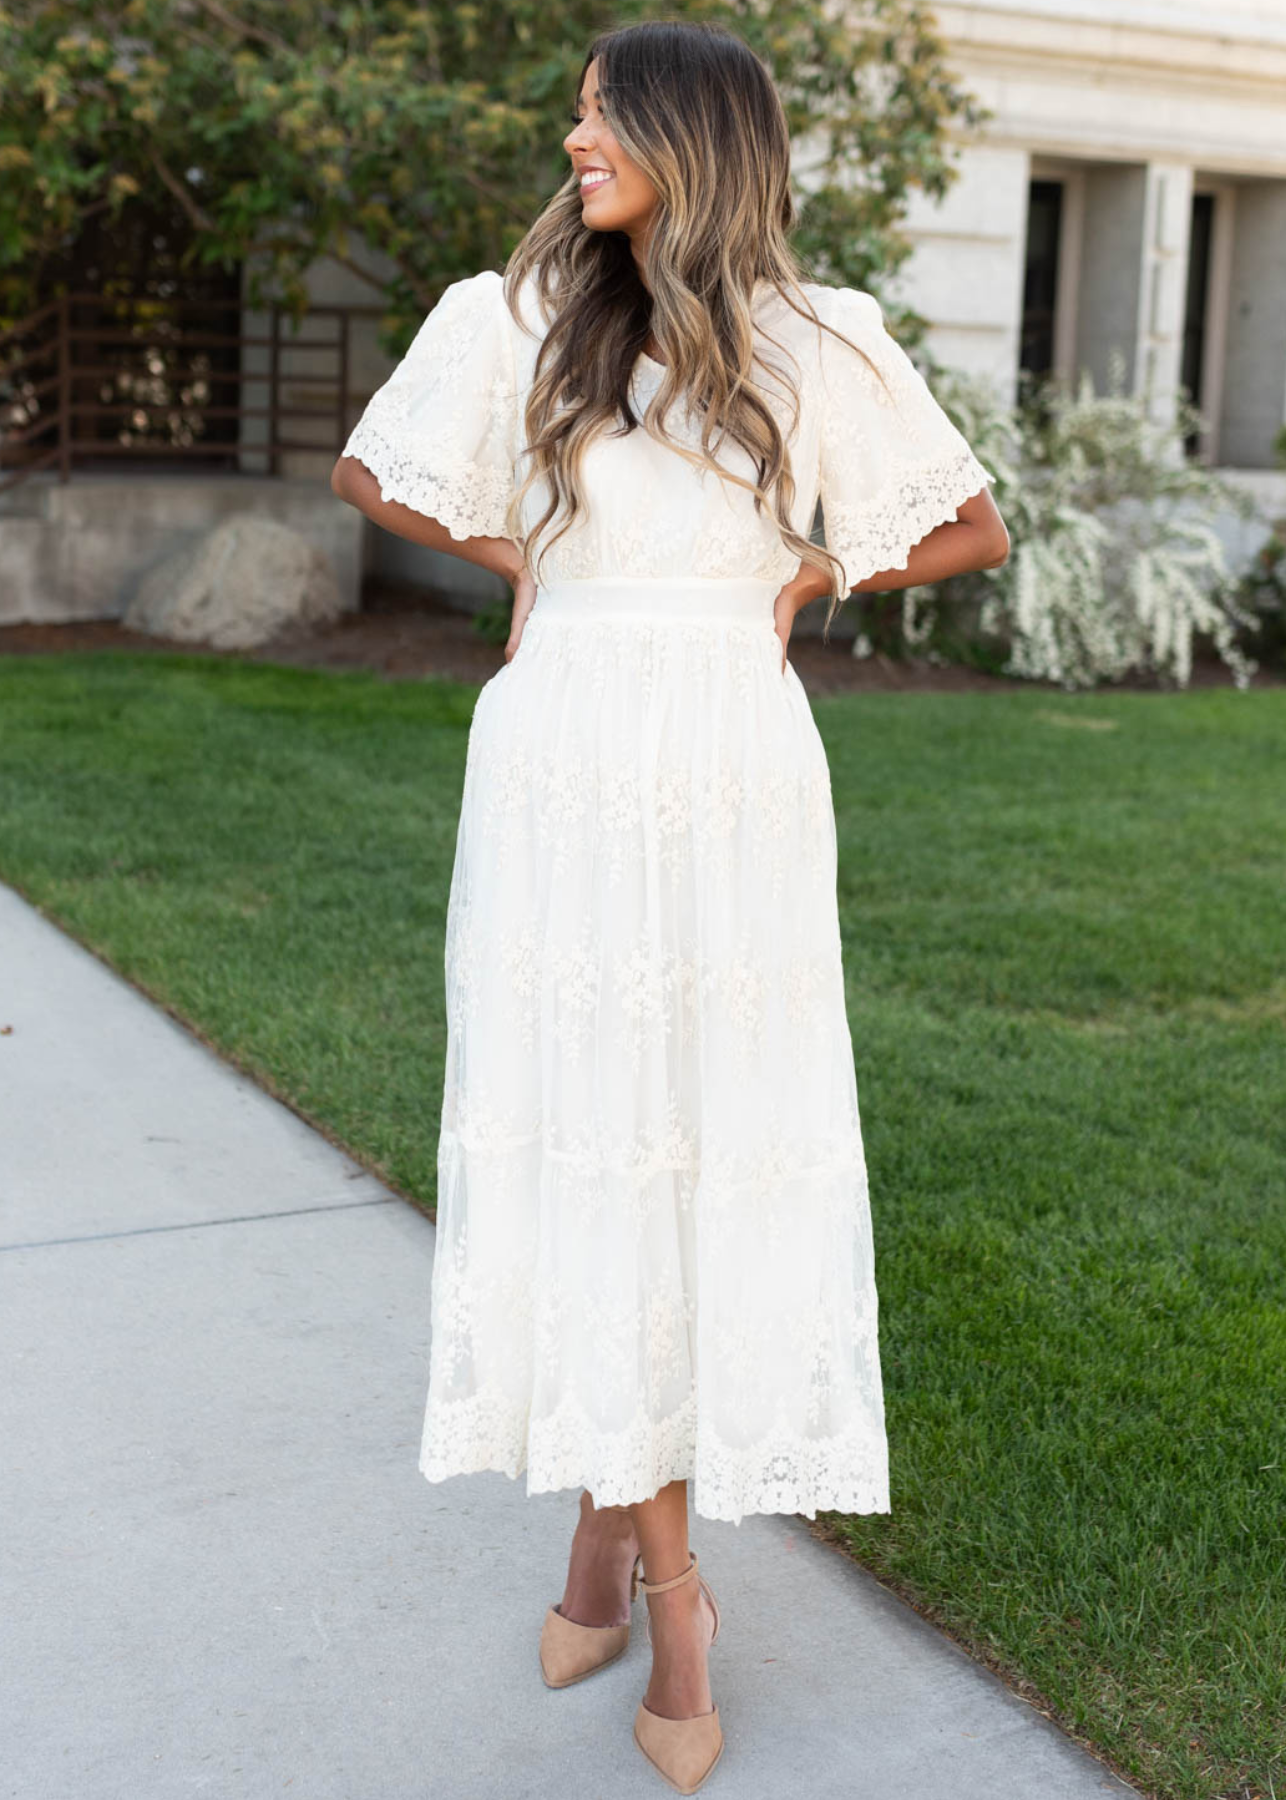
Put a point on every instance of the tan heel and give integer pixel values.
(683, 1751)
(569, 1652)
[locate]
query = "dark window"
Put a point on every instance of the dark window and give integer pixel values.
(1040, 276)
(151, 299)
(1192, 366)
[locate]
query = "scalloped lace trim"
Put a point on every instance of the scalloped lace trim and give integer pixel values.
(471, 499)
(879, 531)
(779, 1472)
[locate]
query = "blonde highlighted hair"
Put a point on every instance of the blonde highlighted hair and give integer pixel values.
(695, 108)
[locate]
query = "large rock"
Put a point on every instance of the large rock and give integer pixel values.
(245, 582)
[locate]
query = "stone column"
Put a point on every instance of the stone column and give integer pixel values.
(1134, 259)
(1254, 392)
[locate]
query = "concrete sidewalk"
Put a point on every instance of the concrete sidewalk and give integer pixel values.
(223, 1573)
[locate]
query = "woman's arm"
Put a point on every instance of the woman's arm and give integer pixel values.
(975, 539)
(353, 482)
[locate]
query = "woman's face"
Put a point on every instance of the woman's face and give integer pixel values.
(615, 193)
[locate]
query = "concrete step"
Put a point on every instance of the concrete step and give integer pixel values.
(78, 549)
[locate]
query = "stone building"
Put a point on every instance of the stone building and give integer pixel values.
(1128, 192)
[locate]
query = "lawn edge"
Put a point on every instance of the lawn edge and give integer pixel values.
(261, 1077)
(1020, 1685)
(820, 1529)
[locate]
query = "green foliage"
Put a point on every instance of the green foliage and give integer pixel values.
(1263, 593)
(415, 144)
(493, 622)
(1115, 566)
(1263, 588)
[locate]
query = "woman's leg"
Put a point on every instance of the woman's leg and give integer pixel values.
(598, 1571)
(682, 1621)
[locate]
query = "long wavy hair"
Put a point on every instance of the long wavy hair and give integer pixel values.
(697, 111)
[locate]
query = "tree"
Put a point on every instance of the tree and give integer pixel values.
(430, 136)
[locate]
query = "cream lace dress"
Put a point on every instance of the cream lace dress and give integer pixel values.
(654, 1255)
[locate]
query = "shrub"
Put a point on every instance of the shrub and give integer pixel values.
(1263, 592)
(1115, 566)
(1263, 587)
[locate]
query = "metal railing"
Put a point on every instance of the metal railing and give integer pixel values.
(86, 378)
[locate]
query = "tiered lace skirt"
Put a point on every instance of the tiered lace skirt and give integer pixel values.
(654, 1254)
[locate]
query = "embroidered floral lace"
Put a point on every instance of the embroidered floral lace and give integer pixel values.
(444, 437)
(654, 1254)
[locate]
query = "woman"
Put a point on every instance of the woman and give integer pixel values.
(654, 1259)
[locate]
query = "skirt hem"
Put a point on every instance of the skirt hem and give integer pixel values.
(782, 1472)
(862, 1501)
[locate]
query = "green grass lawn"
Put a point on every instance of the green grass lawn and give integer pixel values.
(1065, 931)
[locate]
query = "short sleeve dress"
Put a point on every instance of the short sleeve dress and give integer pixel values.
(654, 1254)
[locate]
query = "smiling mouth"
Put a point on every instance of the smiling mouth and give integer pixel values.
(590, 183)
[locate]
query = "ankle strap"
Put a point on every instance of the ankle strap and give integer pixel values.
(659, 1587)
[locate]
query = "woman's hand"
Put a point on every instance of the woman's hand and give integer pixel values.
(524, 599)
(808, 583)
(785, 606)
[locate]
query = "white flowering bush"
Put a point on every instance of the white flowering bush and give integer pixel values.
(1114, 564)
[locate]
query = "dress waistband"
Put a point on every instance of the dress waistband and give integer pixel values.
(743, 598)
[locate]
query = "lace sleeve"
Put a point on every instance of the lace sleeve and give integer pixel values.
(440, 434)
(892, 464)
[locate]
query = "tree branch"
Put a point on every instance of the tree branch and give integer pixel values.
(505, 200)
(239, 25)
(199, 218)
(312, 250)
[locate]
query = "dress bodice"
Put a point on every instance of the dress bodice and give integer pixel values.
(445, 435)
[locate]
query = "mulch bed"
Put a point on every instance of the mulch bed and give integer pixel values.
(405, 632)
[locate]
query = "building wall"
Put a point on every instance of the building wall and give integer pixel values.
(384, 556)
(1133, 107)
